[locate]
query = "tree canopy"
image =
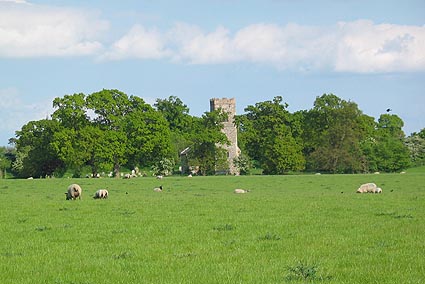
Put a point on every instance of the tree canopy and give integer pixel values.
(333, 130)
(267, 131)
(107, 130)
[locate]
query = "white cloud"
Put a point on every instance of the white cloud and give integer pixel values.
(291, 46)
(34, 31)
(365, 47)
(194, 46)
(358, 46)
(139, 43)
(262, 43)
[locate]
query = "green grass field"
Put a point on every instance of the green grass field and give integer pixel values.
(288, 229)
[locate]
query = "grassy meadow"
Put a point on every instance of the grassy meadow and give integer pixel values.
(287, 229)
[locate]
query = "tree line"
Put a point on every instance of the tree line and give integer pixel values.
(107, 130)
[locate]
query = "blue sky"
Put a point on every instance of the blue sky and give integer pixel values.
(369, 52)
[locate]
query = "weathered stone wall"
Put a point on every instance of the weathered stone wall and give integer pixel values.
(229, 106)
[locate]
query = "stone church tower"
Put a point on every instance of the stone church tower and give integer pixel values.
(233, 151)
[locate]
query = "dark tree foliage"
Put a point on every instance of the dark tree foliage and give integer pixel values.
(37, 155)
(76, 141)
(71, 111)
(85, 147)
(389, 151)
(135, 132)
(181, 124)
(333, 132)
(176, 113)
(339, 138)
(270, 135)
(148, 134)
(109, 129)
(122, 130)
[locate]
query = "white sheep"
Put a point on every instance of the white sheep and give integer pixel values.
(367, 187)
(159, 177)
(238, 190)
(158, 189)
(74, 191)
(101, 194)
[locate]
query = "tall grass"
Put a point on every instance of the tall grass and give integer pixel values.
(288, 229)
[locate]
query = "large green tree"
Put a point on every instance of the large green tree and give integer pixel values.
(180, 123)
(35, 150)
(75, 140)
(333, 132)
(390, 154)
(269, 133)
(87, 146)
(175, 112)
(148, 134)
(82, 141)
(136, 133)
(120, 130)
(71, 111)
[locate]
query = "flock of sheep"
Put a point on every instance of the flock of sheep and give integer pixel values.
(74, 191)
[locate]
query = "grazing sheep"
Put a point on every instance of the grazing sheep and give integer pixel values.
(189, 176)
(101, 194)
(127, 176)
(159, 177)
(158, 189)
(369, 188)
(238, 190)
(74, 191)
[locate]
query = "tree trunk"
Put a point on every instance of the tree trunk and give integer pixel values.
(117, 170)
